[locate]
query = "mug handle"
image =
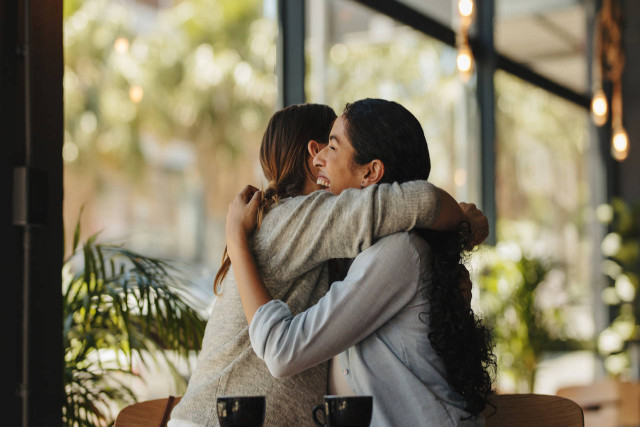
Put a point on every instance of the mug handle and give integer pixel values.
(315, 415)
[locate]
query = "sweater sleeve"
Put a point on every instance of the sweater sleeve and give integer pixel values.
(380, 282)
(306, 231)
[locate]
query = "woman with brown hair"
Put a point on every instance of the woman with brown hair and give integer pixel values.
(397, 327)
(295, 239)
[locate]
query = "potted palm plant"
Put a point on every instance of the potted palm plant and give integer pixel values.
(126, 305)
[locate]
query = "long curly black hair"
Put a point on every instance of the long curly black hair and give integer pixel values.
(458, 336)
(385, 130)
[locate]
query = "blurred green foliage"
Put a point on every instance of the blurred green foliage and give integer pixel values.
(536, 292)
(200, 71)
(527, 319)
(621, 249)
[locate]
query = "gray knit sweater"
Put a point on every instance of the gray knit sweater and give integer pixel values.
(295, 239)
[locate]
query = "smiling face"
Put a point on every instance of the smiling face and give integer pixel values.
(336, 169)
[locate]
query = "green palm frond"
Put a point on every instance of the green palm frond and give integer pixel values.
(125, 304)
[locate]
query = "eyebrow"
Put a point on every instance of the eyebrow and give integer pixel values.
(334, 138)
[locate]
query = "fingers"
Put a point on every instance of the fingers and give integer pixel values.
(254, 202)
(483, 230)
(467, 207)
(248, 192)
(478, 221)
(479, 236)
(242, 199)
(242, 213)
(246, 201)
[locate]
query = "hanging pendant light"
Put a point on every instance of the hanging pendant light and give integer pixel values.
(599, 108)
(620, 144)
(464, 62)
(464, 59)
(608, 63)
(619, 138)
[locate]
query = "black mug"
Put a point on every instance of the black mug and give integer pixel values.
(241, 411)
(344, 411)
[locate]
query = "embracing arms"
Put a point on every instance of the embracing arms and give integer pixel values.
(303, 232)
(381, 281)
(241, 220)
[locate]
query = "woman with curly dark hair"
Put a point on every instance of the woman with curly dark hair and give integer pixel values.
(292, 258)
(397, 326)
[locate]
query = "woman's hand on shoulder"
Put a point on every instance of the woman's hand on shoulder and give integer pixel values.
(478, 222)
(242, 216)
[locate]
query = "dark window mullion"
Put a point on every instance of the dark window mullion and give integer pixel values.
(485, 93)
(290, 52)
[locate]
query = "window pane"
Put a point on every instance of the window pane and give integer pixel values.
(541, 163)
(540, 278)
(165, 105)
(355, 53)
(542, 191)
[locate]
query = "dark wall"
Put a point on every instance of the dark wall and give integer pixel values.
(31, 387)
(11, 108)
(45, 358)
(628, 173)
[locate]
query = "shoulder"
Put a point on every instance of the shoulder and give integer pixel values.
(420, 244)
(399, 257)
(401, 240)
(408, 243)
(291, 204)
(401, 250)
(406, 253)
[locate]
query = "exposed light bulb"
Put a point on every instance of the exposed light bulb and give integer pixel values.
(121, 45)
(464, 62)
(136, 93)
(460, 177)
(465, 8)
(599, 108)
(620, 144)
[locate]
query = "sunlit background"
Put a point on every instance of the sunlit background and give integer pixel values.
(165, 104)
(164, 110)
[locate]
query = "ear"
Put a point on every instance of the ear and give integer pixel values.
(314, 147)
(374, 173)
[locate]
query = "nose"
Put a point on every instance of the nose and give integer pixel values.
(318, 159)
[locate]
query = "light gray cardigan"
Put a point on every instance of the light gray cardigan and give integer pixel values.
(295, 239)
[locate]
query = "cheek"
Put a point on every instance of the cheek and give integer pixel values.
(329, 159)
(314, 174)
(338, 160)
